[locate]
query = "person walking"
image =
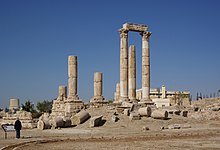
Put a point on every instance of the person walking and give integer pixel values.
(17, 127)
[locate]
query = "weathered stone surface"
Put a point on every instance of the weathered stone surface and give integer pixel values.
(132, 74)
(123, 65)
(174, 126)
(62, 93)
(216, 108)
(72, 79)
(184, 113)
(145, 128)
(24, 116)
(127, 105)
(145, 66)
(95, 121)
(134, 116)
(145, 111)
(135, 27)
(185, 126)
(127, 112)
(67, 122)
(115, 118)
(117, 93)
(57, 122)
(80, 117)
(43, 124)
(159, 114)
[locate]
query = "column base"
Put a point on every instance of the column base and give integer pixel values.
(72, 107)
(97, 99)
(122, 99)
(73, 99)
(146, 101)
(134, 100)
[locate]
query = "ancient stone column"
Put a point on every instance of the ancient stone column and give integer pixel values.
(132, 73)
(163, 92)
(117, 93)
(97, 88)
(145, 66)
(123, 64)
(72, 78)
(62, 93)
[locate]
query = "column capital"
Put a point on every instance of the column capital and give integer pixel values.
(146, 34)
(123, 33)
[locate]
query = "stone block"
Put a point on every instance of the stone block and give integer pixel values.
(95, 121)
(134, 116)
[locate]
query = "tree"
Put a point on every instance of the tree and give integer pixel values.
(44, 106)
(28, 106)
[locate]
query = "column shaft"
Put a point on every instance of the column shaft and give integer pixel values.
(145, 66)
(97, 84)
(132, 73)
(72, 76)
(123, 65)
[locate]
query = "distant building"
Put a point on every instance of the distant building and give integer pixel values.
(163, 97)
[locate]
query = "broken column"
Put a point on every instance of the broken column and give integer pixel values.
(73, 103)
(62, 93)
(132, 74)
(145, 66)
(97, 88)
(72, 78)
(159, 114)
(117, 93)
(123, 64)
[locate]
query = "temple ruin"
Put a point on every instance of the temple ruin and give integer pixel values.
(128, 67)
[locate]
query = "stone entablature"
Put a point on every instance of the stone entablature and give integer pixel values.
(135, 27)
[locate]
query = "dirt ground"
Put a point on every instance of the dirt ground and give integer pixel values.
(122, 135)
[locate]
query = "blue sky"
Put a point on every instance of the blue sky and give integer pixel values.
(36, 37)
